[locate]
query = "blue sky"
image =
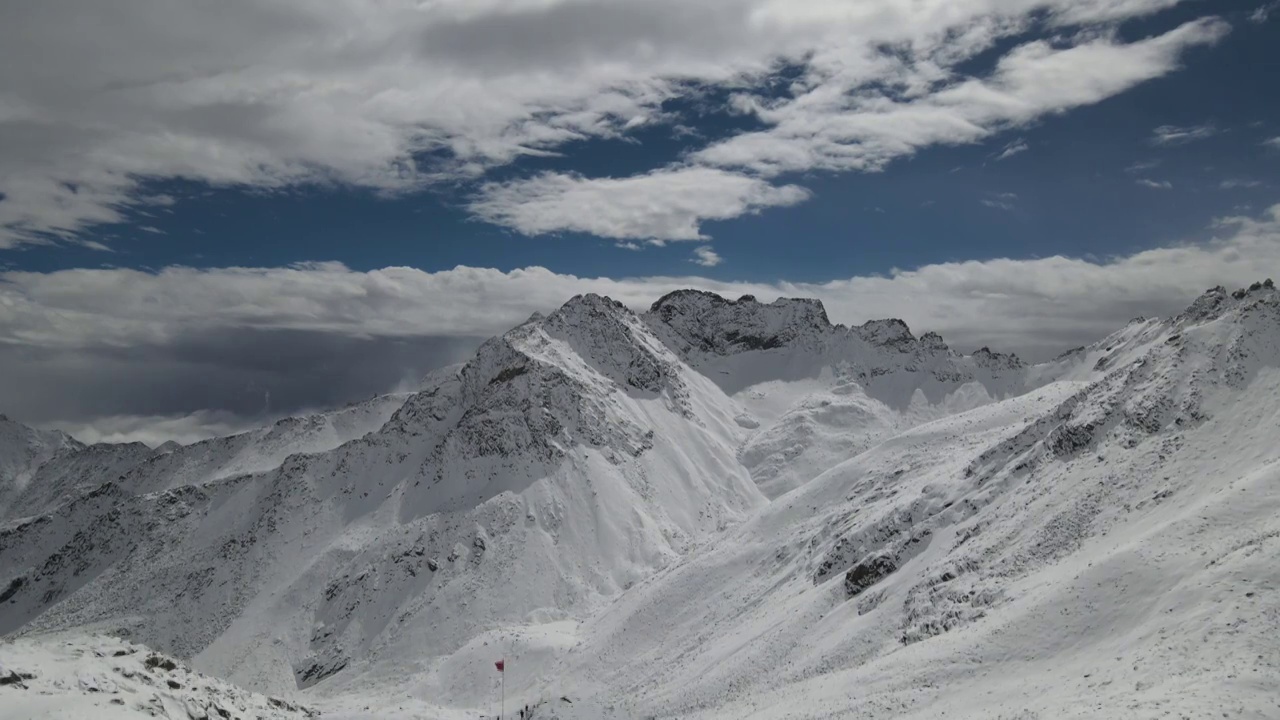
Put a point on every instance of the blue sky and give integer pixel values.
(1075, 189)
(200, 191)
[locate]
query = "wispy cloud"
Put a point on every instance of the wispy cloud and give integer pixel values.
(1263, 13)
(1273, 143)
(1013, 148)
(1000, 201)
(1177, 135)
(1235, 183)
(1142, 166)
(1155, 184)
(706, 257)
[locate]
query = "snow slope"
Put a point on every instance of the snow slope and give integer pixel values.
(261, 449)
(69, 677)
(814, 393)
(569, 459)
(589, 497)
(60, 468)
(22, 451)
(1090, 549)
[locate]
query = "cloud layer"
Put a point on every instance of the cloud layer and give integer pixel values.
(663, 205)
(395, 95)
(99, 349)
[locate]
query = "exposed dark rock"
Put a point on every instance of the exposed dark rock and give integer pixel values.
(509, 374)
(16, 678)
(13, 588)
(163, 663)
(867, 573)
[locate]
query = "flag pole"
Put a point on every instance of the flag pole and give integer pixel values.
(501, 665)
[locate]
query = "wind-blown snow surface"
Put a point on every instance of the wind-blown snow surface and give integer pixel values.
(589, 497)
(72, 677)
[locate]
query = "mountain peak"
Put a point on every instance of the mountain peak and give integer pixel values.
(988, 358)
(711, 323)
(685, 301)
(1216, 300)
(591, 301)
(890, 331)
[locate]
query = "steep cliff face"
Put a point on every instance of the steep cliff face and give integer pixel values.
(696, 321)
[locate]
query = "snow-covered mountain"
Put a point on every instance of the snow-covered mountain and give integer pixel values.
(52, 468)
(716, 508)
(23, 451)
(71, 677)
(819, 393)
(1093, 548)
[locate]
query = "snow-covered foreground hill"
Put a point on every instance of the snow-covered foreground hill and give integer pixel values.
(73, 677)
(725, 509)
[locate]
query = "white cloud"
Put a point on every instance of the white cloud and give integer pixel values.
(1272, 143)
(1013, 148)
(1038, 306)
(1234, 183)
(830, 126)
(1142, 166)
(1155, 184)
(1175, 135)
(1262, 13)
(706, 257)
(1000, 201)
(394, 95)
(155, 429)
(662, 205)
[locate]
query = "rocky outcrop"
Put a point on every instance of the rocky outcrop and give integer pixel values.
(712, 324)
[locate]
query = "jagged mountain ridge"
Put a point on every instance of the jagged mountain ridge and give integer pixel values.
(820, 392)
(455, 464)
(480, 476)
(510, 427)
(23, 450)
(1092, 548)
(64, 468)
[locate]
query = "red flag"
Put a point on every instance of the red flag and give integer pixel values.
(500, 664)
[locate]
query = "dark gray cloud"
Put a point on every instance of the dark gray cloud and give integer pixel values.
(229, 378)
